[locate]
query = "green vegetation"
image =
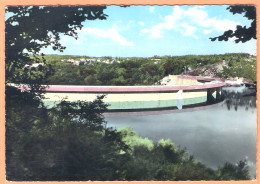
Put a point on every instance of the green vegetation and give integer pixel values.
(142, 71)
(28, 29)
(71, 142)
(240, 68)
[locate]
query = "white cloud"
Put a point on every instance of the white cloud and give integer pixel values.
(223, 25)
(187, 22)
(140, 23)
(200, 17)
(207, 31)
(196, 14)
(111, 34)
(154, 33)
(115, 26)
(188, 30)
(169, 22)
(151, 9)
(65, 38)
(77, 42)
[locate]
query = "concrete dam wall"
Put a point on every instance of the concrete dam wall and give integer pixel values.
(187, 91)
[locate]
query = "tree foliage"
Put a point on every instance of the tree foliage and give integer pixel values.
(71, 141)
(165, 161)
(53, 145)
(134, 71)
(28, 29)
(243, 69)
(242, 33)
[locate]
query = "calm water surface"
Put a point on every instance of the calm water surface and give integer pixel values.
(226, 132)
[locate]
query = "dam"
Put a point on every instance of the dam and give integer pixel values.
(174, 92)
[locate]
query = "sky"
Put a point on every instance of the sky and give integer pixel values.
(146, 31)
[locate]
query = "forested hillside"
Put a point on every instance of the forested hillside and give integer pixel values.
(145, 71)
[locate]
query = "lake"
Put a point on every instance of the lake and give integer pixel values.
(222, 133)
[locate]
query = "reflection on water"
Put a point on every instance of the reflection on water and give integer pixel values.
(240, 97)
(226, 132)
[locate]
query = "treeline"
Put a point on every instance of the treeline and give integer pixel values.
(240, 68)
(72, 143)
(132, 71)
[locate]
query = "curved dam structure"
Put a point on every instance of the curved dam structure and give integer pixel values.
(185, 92)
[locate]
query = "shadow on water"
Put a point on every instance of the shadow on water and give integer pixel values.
(240, 97)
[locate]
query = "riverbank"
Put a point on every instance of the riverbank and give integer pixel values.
(173, 80)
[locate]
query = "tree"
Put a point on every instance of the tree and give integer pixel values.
(69, 142)
(31, 28)
(229, 171)
(34, 134)
(241, 34)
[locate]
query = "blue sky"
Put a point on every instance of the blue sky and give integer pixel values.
(145, 31)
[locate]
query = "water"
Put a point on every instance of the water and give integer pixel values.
(226, 132)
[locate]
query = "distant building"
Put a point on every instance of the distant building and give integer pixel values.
(75, 64)
(82, 60)
(34, 65)
(156, 59)
(71, 60)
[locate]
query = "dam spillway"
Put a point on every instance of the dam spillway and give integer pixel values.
(187, 91)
